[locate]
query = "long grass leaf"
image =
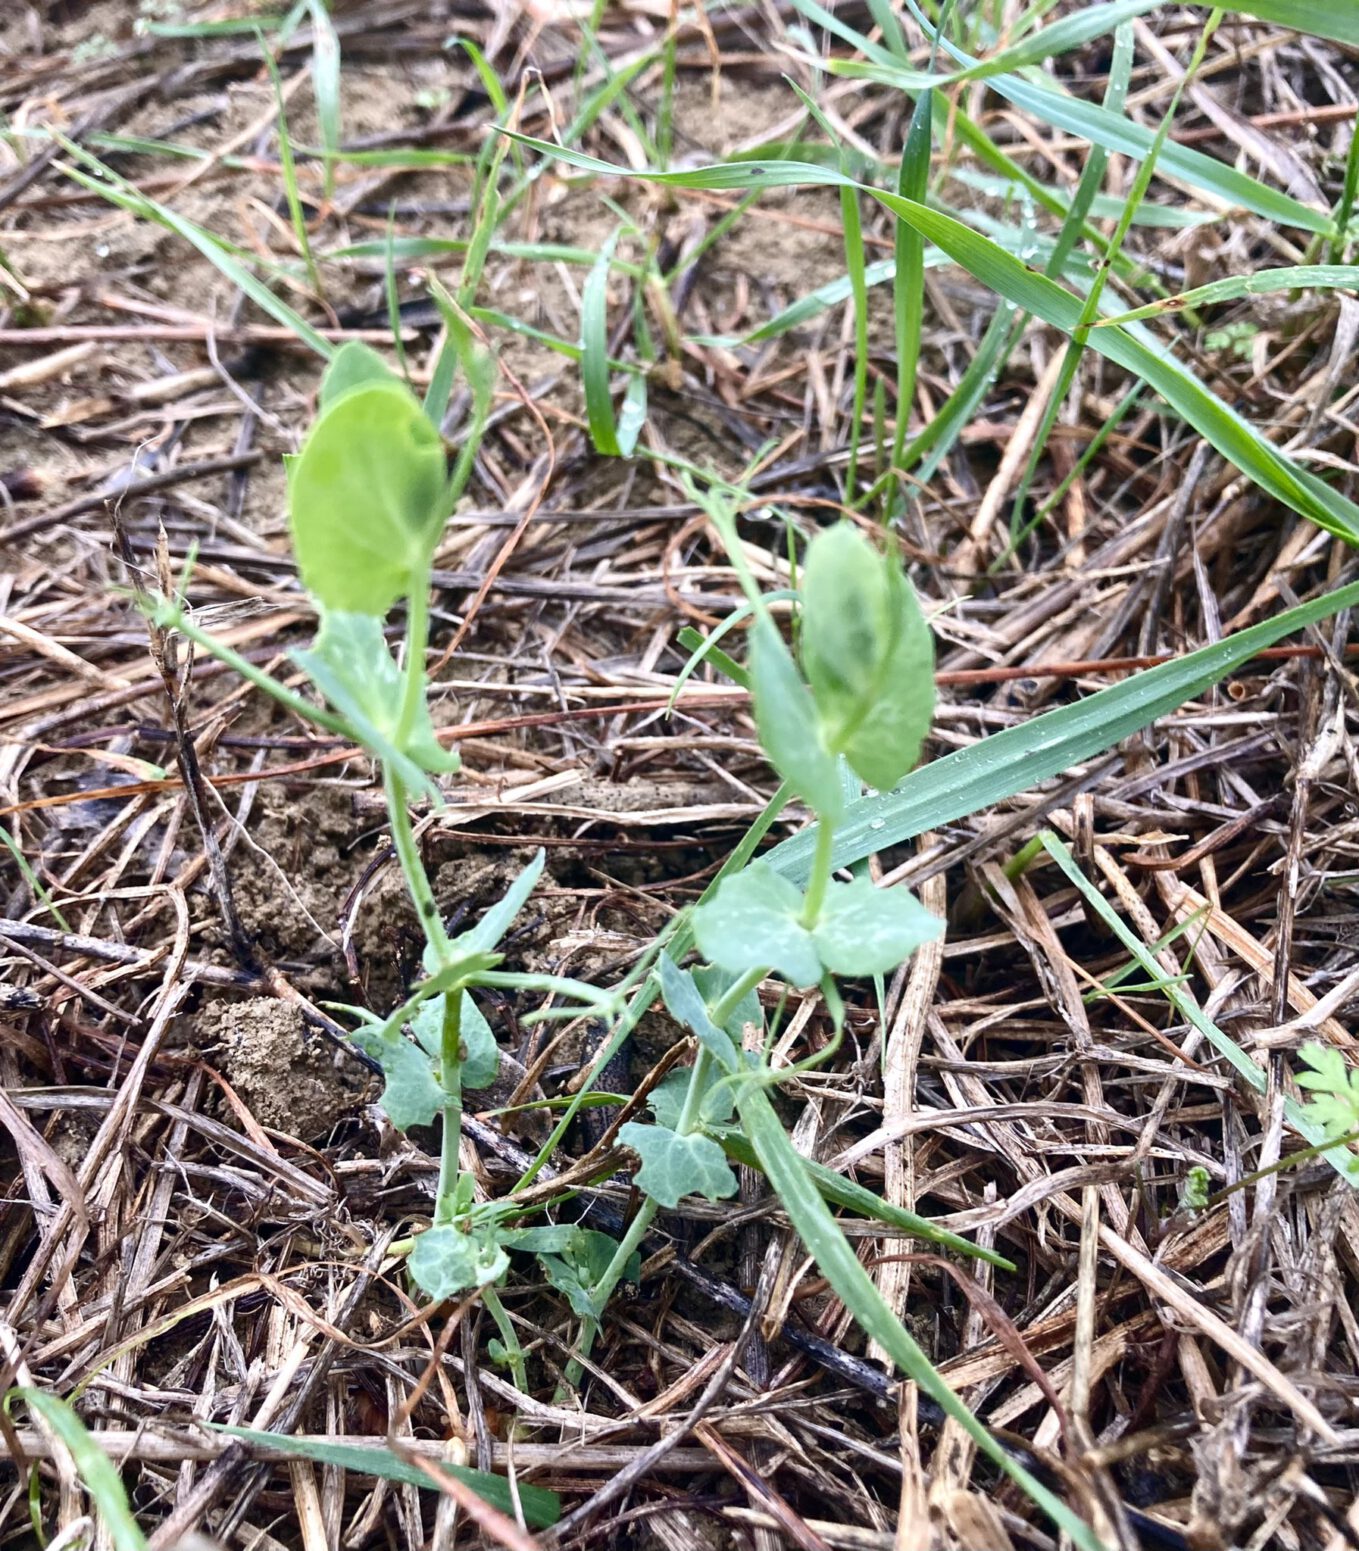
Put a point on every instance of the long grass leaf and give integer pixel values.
(541, 1507)
(325, 86)
(97, 1472)
(1264, 282)
(1227, 431)
(787, 1173)
(107, 185)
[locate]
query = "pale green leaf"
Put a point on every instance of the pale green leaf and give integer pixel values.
(354, 365)
(868, 655)
(446, 1261)
(686, 1004)
(865, 930)
(350, 664)
(366, 499)
(754, 921)
(496, 921)
(676, 1166)
(790, 730)
(411, 1095)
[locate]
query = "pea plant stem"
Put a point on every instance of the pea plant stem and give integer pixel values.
(417, 637)
(603, 1289)
(450, 1062)
(408, 855)
(820, 878)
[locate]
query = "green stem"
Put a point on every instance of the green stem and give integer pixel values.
(733, 998)
(821, 871)
(603, 1289)
(168, 614)
(508, 1337)
(417, 638)
(408, 854)
(1292, 1160)
(450, 1061)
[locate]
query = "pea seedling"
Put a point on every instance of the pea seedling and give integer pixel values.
(368, 497)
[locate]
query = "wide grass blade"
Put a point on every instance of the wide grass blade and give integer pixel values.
(786, 1170)
(325, 86)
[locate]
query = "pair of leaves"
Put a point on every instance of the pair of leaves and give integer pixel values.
(580, 1267)
(366, 495)
(756, 921)
(868, 655)
(350, 664)
(414, 1093)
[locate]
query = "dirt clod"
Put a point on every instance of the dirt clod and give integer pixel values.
(289, 1076)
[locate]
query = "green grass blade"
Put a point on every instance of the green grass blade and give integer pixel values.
(325, 86)
(787, 1173)
(594, 348)
(1227, 431)
(908, 296)
(840, 1191)
(1337, 20)
(1017, 759)
(103, 181)
(541, 1507)
(97, 1471)
(296, 214)
(1345, 1162)
(1114, 132)
(1264, 282)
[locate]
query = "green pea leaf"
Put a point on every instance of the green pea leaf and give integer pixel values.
(354, 365)
(446, 1261)
(754, 921)
(676, 1166)
(497, 920)
(863, 930)
(666, 1099)
(577, 1271)
(481, 1054)
(543, 1239)
(411, 1095)
(351, 666)
(713, 984)
(868, 655)
(366, 499)
(685, 1003)
(789, 727)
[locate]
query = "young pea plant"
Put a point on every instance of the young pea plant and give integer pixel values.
(854, 711)
(368, 497)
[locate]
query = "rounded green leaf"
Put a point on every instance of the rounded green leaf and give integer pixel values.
(868, 655)
(754, 921)
(365, 499)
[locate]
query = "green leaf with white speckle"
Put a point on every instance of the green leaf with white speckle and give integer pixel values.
(676, 1166)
